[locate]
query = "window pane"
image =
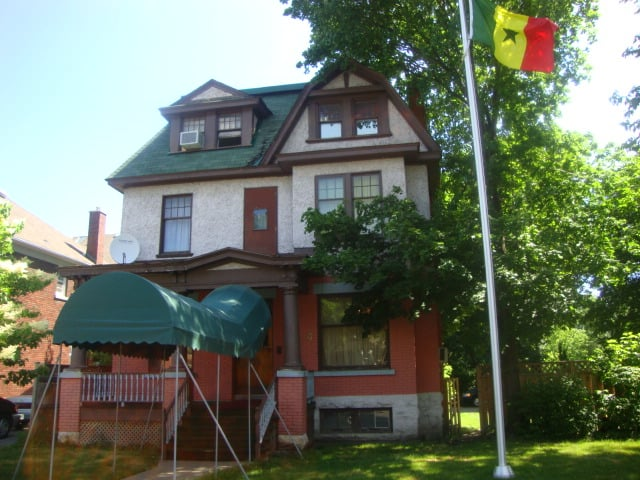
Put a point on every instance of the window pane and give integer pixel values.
(330, 193)
(330, 118)
(366, 186)
(229, 122)
(343, 345)
(176, 234)
(193, 124)
(367, 126)
(260, 219)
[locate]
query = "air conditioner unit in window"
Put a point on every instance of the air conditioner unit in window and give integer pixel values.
(192, 140)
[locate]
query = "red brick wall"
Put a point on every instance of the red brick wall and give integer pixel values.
(69, 416)
(292, 404)
(45, 303)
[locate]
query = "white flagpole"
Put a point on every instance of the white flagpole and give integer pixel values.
(502, 470)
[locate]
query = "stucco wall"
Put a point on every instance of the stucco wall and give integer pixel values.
(392, 171)
(217, 216)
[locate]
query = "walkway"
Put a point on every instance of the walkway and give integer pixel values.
(185, 470)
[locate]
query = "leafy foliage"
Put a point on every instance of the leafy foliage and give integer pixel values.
(17, 333)
(556, 408)
(387, 250)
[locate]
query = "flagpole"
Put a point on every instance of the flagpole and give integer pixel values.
(502, 470)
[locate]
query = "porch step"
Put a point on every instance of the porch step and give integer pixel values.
(197, 433)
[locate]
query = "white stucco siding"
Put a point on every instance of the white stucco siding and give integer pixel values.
(418, 188)
(401, 132)
(217, 214)
(392, 172)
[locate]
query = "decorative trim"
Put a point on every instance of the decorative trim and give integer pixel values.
(354, 373)
(289, 373)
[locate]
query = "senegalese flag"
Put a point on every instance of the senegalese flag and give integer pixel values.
(518, 41)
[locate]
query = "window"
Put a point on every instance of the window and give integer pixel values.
(330, 116)
(176, 224)
(61, 288)
(355, 420)
(347, 189)
(260, 219)
(365, 117)
(230, 130)
(348, 117)
(343, 346)
(193, 124)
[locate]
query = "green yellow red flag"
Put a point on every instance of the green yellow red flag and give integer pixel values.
(518, 41)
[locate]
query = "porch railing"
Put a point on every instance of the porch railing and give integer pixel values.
(181, 402)
(123, 387)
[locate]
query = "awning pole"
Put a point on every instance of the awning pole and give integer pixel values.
(118, 397)
(55, 417)
(175, 416)
(249, 405)
(217, 413)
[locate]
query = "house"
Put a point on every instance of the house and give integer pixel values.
(47, 249)
(216, 198)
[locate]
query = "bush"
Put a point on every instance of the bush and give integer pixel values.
(619, 412)
(556, 408)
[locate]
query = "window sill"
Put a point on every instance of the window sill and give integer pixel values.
(354, 373)
(343, 139)
(174, 254)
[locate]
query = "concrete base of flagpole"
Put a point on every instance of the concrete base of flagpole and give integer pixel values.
(503, 471)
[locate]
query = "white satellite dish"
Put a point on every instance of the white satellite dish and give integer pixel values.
(124, 248)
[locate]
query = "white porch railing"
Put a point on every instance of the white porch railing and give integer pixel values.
(180, 402)
(123, 387)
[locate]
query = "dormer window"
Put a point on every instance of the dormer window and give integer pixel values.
(229, 130)
(347, 117)
(193, 124)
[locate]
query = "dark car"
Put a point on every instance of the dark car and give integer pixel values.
(470, 398)
(23, 404)
(9, 417)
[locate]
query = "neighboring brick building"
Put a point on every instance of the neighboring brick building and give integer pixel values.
(216, 197)
(47, 249)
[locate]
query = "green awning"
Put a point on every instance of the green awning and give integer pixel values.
(124, 309)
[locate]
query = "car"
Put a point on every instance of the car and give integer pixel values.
(9, 417)
(470, 398)
(23, 403)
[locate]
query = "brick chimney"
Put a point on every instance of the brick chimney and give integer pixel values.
(95, 236)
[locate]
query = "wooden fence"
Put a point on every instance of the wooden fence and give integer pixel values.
(529, 372)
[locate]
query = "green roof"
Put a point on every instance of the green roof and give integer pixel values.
(155, 159)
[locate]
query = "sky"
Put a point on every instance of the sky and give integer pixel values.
(82, 82)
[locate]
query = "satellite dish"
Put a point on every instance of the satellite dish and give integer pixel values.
(124, 248)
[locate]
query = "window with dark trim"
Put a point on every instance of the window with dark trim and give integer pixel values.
(229, 129)
(356, 420)
(346, 189)
(176, 224)
(348, 117)
(343, 345)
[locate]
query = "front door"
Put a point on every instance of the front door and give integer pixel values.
(263, 365)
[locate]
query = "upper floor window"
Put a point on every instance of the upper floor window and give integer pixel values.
(347, 190)
(229, 129)
(193, 124)
(343, 345)
(176, 224)
(61, 288)
(347, 117)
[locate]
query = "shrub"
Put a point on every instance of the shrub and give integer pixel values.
(619, 412)
(556, 408)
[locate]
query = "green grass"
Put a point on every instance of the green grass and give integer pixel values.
(467, 460)
(73, 462)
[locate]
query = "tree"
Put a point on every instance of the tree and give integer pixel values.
(17, 332)
(543, 192)
(632, 100)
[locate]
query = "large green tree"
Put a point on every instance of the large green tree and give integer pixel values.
(543, 192)
(17, 330)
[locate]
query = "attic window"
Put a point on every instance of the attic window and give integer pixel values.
(330, 120)
(229, 130)
(193, 124)
(366, 117)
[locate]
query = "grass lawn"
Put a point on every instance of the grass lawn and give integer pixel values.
(473, 459)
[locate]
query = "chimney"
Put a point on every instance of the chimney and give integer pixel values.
(417, 106)
(95, 237)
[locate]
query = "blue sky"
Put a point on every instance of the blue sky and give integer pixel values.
(82, 82)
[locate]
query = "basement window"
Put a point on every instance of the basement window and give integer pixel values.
(355, 420)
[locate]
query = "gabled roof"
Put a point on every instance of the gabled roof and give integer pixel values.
(40, 241)
(154, 159)
(283, 107)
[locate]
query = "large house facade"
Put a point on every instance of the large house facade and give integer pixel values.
(216, 198)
